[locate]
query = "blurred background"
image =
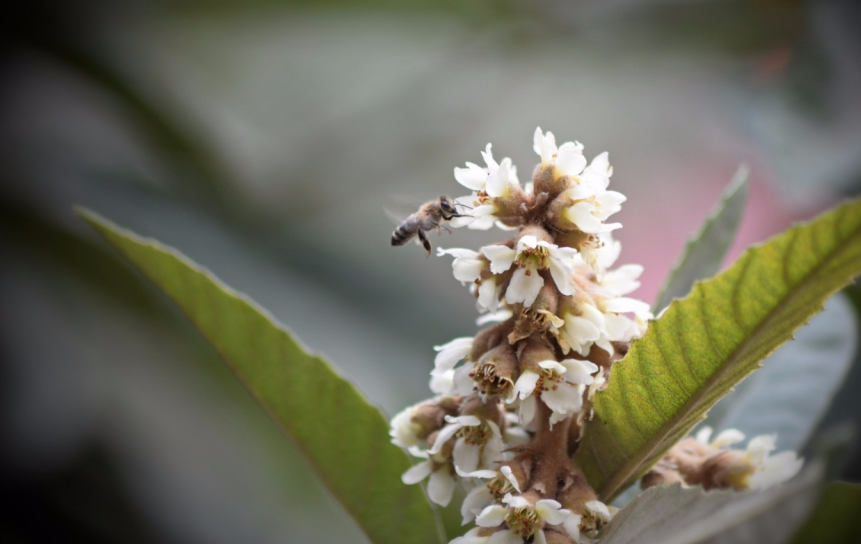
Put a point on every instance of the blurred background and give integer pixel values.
(265, 138)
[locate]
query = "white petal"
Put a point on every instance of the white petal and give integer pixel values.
(487, 155)
(515, 501)
(465, 455)
(623, 305)
(775, 470)
(504, 537)
(442, 383)
(467, 270)
(491, 516)
(623, 280)
(727, 438)
(579, 332)
(572, 526)
(526, 410)
(524, 288)
(451, 353)
(441, 487)
(463, 383)
(704, 434)
(561, 274)
(444, 436)
(544, 145)
(577, 371)
(524, 386)
(539, 537)
(566, 399)
(403, 430)
(464, 421)
(570, 160)
(529, 241)
(472, 177)
(582, 215)
(484, 474)
(475, 501)
(484, 222)
(488, 296)
(416, 473)
(609, 202)
(600, 509)
(509, 475)
(550, 511)
(760, 446)
(553, 366)
(580, 191)
(501, 257)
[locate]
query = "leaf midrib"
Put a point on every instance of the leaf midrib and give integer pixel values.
(617, 482)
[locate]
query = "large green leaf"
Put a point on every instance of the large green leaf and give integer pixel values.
(676, 515)
(706, 250)
(836, 519)
(343, 436)
(706, 343)
(777, 399)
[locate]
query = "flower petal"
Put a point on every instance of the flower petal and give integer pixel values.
(524, 287)
(501, 257)
(416, 473)
(491, 516)
(441, 487)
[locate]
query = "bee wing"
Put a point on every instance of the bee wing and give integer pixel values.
(398, 208)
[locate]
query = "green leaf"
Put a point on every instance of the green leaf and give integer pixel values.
(706, 250)
(777, 399)
(706, 343)
(835, 519)
(676, 515)
(343, 436)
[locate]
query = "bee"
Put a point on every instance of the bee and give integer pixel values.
(431, 215)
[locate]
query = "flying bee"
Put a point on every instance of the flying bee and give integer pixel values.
(431, 215)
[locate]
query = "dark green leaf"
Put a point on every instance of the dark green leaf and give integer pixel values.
(836, 519)
(344, 437)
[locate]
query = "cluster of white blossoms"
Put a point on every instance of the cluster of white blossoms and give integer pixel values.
(513, 400)
(715, 464)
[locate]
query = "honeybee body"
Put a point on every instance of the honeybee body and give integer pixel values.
(431, 215)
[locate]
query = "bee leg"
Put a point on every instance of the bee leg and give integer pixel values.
(443, 227)
(425, 242)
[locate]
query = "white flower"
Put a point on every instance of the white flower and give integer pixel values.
(467, 264)
(450, 354)
(403, 428)
(767, 470)
(546, 511)
(442, 384)
(471, 537)
(581, 331)
(532, 255)
(589, 215)
(623, 280)
(568, 159)
(496, 180)
(770, 469)
(440, 484)
(560, 386)
(472, 450)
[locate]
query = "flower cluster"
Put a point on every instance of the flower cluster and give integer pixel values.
(714, 464)
(513, 399)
